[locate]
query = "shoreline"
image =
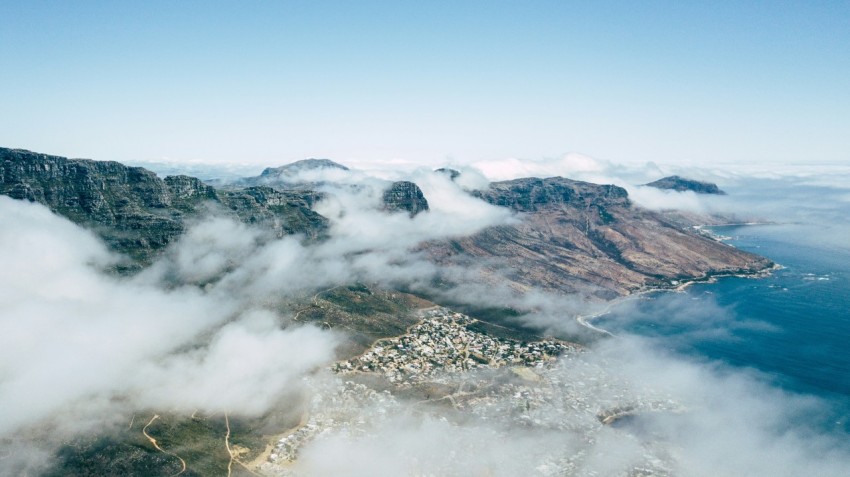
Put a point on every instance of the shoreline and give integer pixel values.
(586, 320)
(704, 229)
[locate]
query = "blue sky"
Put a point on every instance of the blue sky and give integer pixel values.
(430, 82)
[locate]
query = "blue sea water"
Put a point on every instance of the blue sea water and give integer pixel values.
(793, 327)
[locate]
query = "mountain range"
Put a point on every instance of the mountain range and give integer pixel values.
(571, 236)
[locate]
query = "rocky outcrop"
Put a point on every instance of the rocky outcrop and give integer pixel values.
(682, 184)
(284, 212)
(138, 213)
(577, 237)
(405, 196)
(532, 194)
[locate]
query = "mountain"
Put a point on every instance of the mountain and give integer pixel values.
(571, 236)
(138, 213)
(682, 184)
(574, 236)
(405, 195)
(289, 174)
(311, 174)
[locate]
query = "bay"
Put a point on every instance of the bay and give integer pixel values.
(792, 327)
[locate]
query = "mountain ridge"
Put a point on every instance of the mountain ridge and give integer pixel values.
(136, 212)
(571, 235)
(576, 236)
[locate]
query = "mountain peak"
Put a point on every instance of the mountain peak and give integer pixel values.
(405, 195)
(297, 167)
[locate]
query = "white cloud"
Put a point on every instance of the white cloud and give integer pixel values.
(69, 331)
(658, 199)
(407, 444)
(570, 165)
(704, 420)
(246, 367)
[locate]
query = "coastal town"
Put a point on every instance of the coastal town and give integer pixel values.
(441, 367)
(442, 343)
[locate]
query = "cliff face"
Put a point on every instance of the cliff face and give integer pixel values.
(682, 184)
(136, 212)
(405, 195)
(532, 194)
(579, 237)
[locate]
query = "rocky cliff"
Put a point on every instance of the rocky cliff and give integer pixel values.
(405, 196)
(138, 213)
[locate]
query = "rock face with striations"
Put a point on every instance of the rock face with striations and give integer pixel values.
(532, 194)
(405, 196)
(135, 211)
(682, 184)
(577, 237)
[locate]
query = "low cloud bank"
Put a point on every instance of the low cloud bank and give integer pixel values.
(757, 191)
(687, 418)
(68, 331)
(72, 334)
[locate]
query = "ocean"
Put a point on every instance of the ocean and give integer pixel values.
(792, 328)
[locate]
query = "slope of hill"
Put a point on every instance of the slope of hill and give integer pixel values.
(575, 236)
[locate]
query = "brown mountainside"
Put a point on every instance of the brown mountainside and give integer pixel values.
(575, 236)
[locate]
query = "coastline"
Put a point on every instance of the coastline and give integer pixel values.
(679, 287)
